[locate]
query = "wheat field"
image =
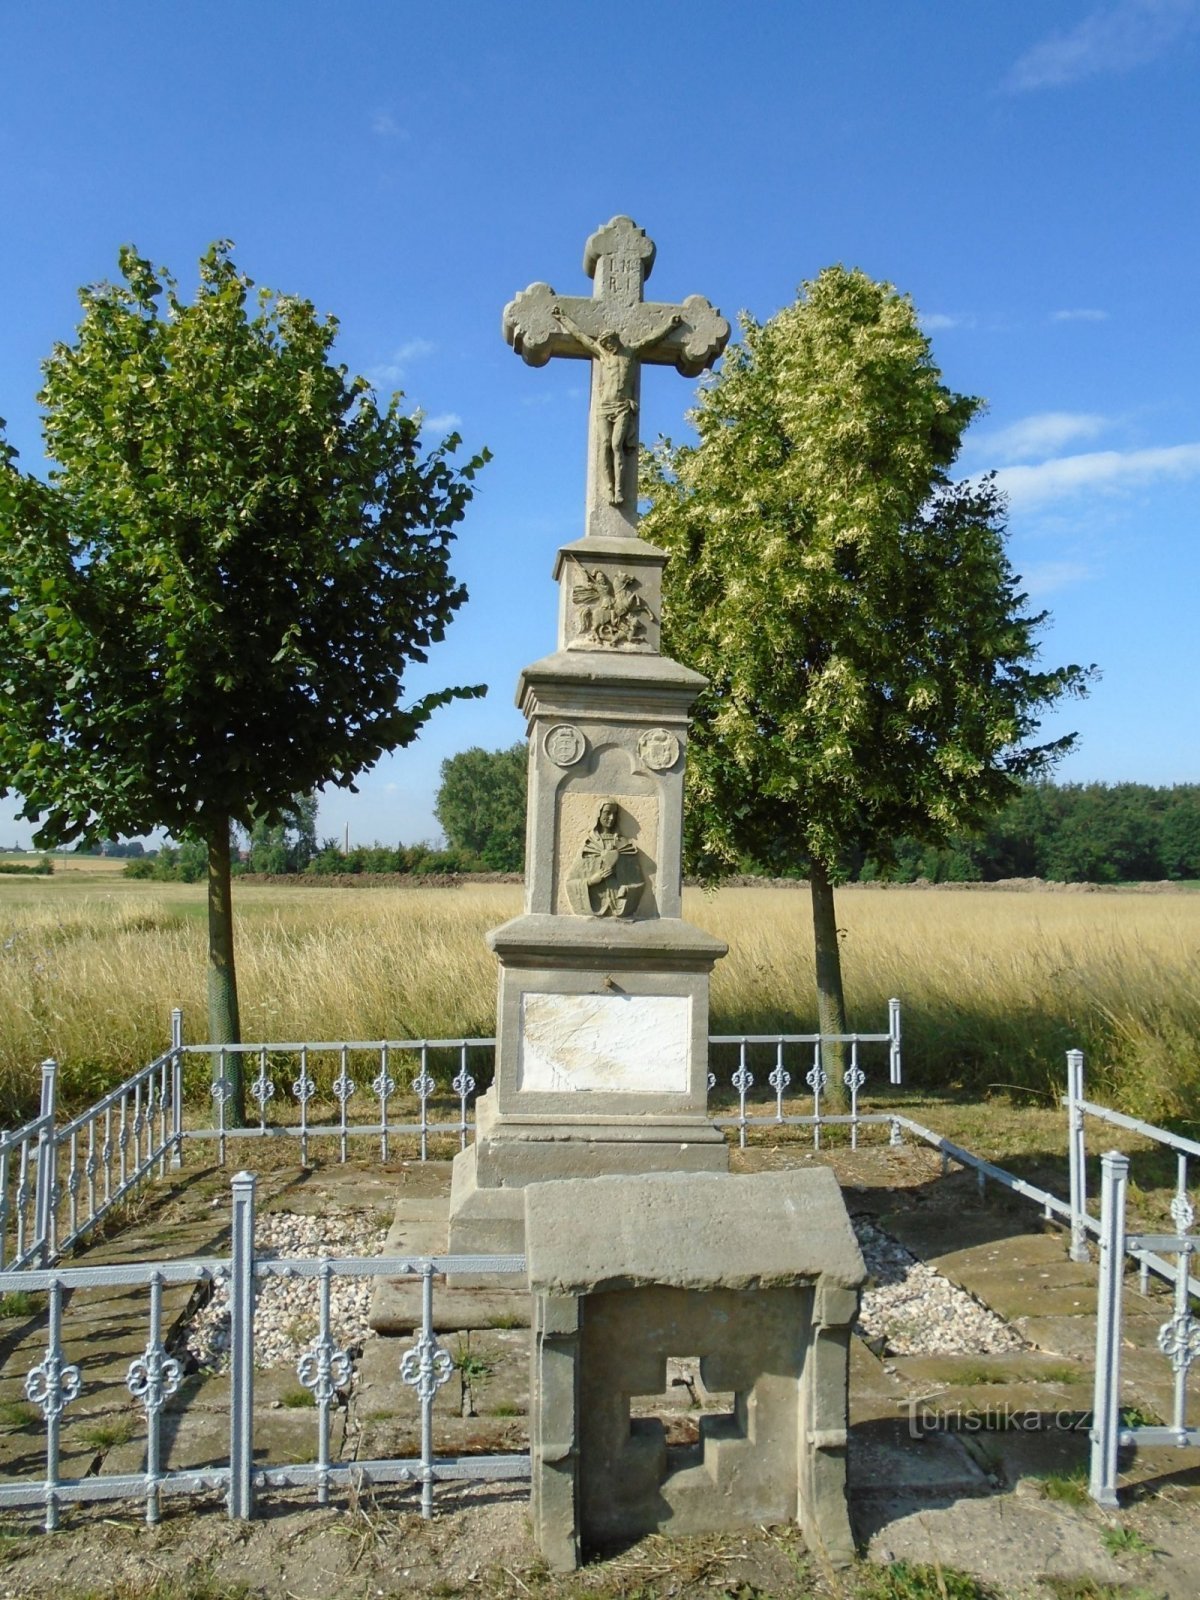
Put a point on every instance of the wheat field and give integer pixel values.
(994, 986)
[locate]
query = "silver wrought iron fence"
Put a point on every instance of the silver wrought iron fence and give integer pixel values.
(58, 1182)
(1178, 1338)
(1082, 1223)
(153, 1380)
(816, 1078)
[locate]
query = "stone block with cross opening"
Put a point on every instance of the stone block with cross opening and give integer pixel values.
(602, 1027)
(746, 1285)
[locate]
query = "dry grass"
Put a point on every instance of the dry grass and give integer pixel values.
(995, 986)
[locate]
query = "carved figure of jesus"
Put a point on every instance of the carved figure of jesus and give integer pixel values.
(616, 364)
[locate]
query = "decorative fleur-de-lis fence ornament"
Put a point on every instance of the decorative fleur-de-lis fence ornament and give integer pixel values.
(463, 1085)
(304, 1087)
(817, 1080)
(779, 1079)
(221, 1091)
(154, 1377)
(423, 1086)
(712, 1082)
(1179, 1340)
(854, 1077)
(1183, 1213)
(262, 1088)
(324, 1369)
(742, 1080)
(426, 1366)
(52, 1384)
(343, 1087)
(383, 1087)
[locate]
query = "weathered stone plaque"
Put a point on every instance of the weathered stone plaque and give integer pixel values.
(631, 1043)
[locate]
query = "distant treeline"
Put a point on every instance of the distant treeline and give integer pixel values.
(1065, 833)
(1068, 833)
(187, 862)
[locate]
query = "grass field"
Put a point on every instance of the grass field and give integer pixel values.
(995, 986)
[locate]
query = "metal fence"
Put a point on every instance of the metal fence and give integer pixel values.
(57, 1183)
(1178, 1337)
(324, 1369)
(1082, 1223)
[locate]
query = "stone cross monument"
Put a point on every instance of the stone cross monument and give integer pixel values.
(617, 330)
(602, 1032)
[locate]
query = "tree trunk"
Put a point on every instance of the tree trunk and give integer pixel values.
(223, 1024)
(831, 1001)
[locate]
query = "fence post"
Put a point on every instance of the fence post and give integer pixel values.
(241, 1350)
(1106, 1405)
(1076, 1156)
(177, 1060)
(894, 1052)
(46, 1163)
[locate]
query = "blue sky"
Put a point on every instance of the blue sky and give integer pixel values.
(1027, 172)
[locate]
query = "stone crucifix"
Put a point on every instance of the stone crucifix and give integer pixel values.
(617, 331)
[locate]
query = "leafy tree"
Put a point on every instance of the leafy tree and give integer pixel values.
(868, 653)
(481, 805)
(289, 844)
(211, 604)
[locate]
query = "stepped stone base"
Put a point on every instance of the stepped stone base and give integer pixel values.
(487, 1207)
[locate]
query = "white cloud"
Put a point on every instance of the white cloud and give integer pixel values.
(936, 321)
(385, 126)
(443, 422)
(1038, 436)
(393, 369)
(1059, 479)
(1082, 314)
(1113, 38)
(1043, 578)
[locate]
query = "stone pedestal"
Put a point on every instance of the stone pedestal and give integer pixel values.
(602, 1032)
(756, 1279)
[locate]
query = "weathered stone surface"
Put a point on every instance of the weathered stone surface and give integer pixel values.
(753, 1280)
(616, 330)
(636, 1044)
(691, 1231)
(602, 1026)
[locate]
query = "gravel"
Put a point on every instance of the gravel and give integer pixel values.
(908, 1309)
(286, 1316)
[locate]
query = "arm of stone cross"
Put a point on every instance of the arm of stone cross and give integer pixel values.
(694, 335)
(566, 321)
(539, 323)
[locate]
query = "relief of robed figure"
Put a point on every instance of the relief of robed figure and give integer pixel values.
(606, 880)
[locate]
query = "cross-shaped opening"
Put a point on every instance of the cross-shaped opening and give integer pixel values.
(684, 1414)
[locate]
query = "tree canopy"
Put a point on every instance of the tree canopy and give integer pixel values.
(212, 603)
(481, 805)
(871, 659)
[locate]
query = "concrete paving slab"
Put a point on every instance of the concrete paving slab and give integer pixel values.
(421, 1226)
